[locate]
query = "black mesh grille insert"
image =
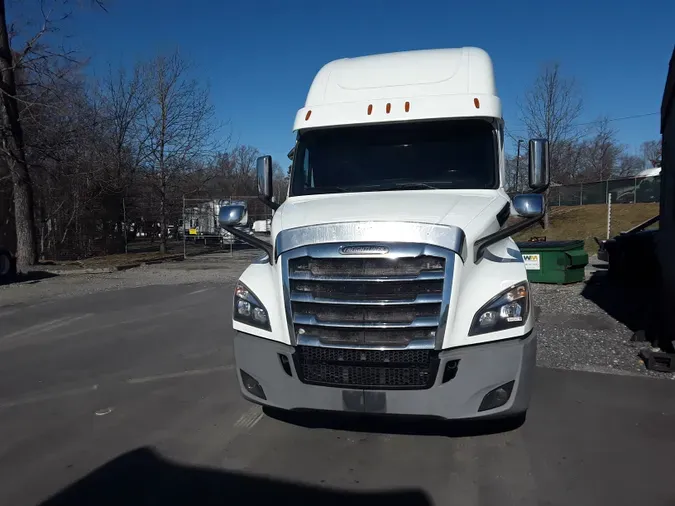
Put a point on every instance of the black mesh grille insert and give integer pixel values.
(377, 369)
(355, 267)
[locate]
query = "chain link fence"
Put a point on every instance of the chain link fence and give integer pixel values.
(624, 191)
(200, 231)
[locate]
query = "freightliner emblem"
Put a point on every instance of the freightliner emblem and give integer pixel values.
(363, 250)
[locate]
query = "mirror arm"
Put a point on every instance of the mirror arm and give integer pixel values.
(251, 240)
(268, 202)
(481, 244)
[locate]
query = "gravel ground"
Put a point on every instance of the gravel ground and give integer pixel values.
(576, 333)
(212, 268)
(573, 331)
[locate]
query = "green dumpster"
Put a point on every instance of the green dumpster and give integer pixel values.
(558, 262)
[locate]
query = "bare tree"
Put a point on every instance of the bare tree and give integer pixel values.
(14, 151)
(628, 165)
(19, 68)
(652, 152)
(243, 165)
(280, 182)
(125, 99)
(178, 131)
(550, 110)
(600, 153)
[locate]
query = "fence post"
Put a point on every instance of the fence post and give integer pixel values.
(125, 232)
(606, 191)
(231, 236)
(635, 191)
(609, 214)
(581, 194)
(184, 245)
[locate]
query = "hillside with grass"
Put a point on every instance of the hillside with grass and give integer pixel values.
(586, 222)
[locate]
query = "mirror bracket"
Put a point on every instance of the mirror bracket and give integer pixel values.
(530, 208)
(252, 241)
(232, 215)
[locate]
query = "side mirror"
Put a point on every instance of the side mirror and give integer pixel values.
(265, 190)
(230, 216)
(264, 166)
(529, 205)
(539, 165)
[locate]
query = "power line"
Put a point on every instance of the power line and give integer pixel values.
(622, 118)
(618, 119)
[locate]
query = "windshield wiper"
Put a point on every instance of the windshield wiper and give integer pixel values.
(411, 185)
(325, 189)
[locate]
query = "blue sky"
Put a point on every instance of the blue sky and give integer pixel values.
(259, 57)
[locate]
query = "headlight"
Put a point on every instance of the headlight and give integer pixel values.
(248, 309)
(507, 310)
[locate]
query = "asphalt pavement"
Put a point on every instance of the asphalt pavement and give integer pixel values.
(129, 397)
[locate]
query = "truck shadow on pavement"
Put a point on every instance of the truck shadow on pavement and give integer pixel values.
(143, 478)
(407, 426)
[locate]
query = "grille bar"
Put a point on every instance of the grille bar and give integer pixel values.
(398, 338)
(423, 321)
(425, 298)
(416, 344)
(423, 276)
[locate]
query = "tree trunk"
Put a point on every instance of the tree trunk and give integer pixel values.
(162, 225)
(14, 152)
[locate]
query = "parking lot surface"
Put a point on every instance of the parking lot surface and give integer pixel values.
(122, 390)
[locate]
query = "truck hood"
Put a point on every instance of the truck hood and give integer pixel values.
(473, 210)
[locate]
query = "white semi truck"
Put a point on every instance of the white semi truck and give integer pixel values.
(391, 284)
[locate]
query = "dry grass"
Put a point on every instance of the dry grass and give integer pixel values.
(586, 222)
(117, 261)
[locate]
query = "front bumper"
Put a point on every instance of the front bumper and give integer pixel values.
(482, 368)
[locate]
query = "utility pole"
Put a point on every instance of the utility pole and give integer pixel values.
(518, 163)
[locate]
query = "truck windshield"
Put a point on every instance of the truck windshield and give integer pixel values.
(457, 154)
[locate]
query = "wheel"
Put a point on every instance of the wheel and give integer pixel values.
(7, 266)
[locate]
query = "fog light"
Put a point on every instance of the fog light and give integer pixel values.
(285, 363)
(252, 385)
(450, 371)
(497, 397)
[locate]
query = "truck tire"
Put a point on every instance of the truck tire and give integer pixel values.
(7, 266)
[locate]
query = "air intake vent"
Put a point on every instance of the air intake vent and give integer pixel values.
(368, 369)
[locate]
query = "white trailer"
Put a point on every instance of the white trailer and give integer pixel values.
(391, 284)
(262, 226)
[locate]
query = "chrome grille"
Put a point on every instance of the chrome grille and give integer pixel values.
(391, 301)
